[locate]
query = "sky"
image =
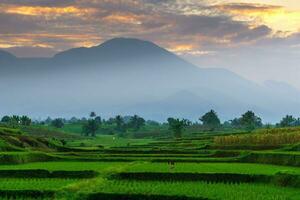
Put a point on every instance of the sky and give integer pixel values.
(259, 40)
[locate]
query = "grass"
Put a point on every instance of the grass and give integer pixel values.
(200, 189)
(34, 184)
(146, 156)
(72, 166)
(242, 168)
(107, 141)
(5, 130)
(71, 128)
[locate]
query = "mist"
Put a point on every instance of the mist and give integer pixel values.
(129, 76)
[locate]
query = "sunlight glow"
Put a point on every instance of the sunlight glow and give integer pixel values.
(38, 10)
(123, 18)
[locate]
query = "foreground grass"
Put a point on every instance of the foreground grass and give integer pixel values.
(72, 166)
(34, 184)
(197, 189)
(242, 168)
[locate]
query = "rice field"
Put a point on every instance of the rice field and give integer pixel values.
(241, 168)
(141, 169)
(202, 189)
(34, 184)
(69, 165)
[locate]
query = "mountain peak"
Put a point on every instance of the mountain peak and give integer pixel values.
(132, 46)
(121, 48)
(128, 42)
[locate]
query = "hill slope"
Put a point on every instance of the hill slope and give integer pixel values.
(127, 76)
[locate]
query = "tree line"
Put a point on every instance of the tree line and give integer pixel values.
(210, 121)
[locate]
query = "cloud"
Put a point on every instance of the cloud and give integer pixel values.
(11, 24)
(123, 18)
(46, 3)
(171, 23)
(214, 33)
(42, 11)
(246, 7)
(276, 17)
(214, 26)
(251, 34)
(38, 51)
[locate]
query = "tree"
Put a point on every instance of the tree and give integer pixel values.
(48, 120)
(236, 122)
(120, 123)
(287, 121)
(14, 121)
(92, 114)
(177, 126)
(211, 120)
(83, 119)
(152, 123)
(73, 120)
(25, 121)
(58, 123)
(98, 120)
(110, 121)
(250, 121)
(136, 122)
(90, 127)
(5, 119)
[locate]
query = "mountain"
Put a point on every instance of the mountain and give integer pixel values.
(6, 57)
(131, 76)
(284, 88)
(125, 49)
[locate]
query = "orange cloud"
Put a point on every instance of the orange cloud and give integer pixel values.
(19, 42)
(38, 10)
(123, 18)
(37, 40)
(247, 8)
(276, 17)
(181, 48)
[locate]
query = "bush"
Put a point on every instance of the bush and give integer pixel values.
(273, 158)
(286, 180)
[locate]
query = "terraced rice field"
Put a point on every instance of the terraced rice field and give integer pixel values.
(242, 168)
(202, 190)
(63, 165)
(34, 183)
(187, 169)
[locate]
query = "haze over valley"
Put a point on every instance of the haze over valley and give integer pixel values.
(130, 76)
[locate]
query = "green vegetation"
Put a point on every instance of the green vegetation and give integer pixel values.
(199, 190)
(211, 120)
(68, 166)
(58, 123)
(242, 168)
(259, 139)
(177, 126)
(127, 157)
(34, 183)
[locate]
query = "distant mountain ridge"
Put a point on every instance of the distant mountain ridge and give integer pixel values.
(131, 76)
(5, 56)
